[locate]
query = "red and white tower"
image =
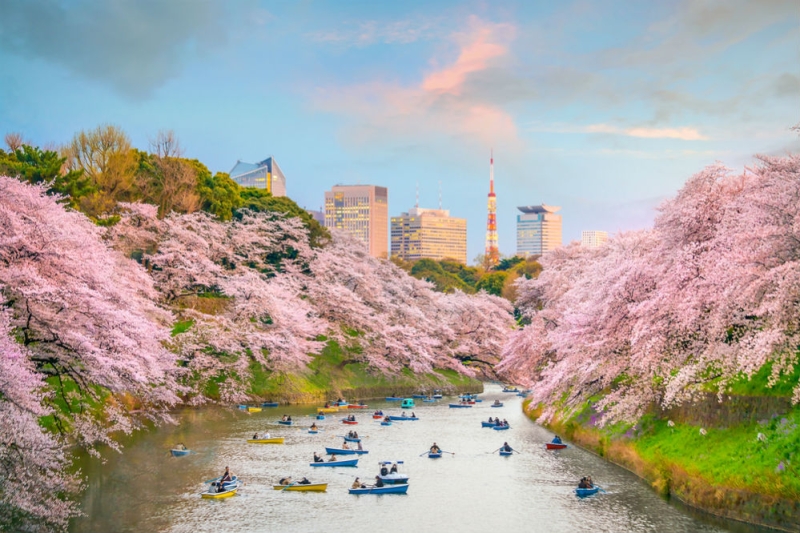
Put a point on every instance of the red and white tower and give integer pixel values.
(492, 254)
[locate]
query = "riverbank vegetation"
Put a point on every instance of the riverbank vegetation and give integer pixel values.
(133, 282)
(627, 345)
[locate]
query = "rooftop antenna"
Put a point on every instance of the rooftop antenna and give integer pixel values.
(417, 203)
(440, 195)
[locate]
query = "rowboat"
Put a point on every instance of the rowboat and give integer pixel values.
(299, 487)
(357, 406)
(418, 396)
(582, 493)
(285, 422)
(346, 462)
(437, 396)
(313, 431)
(391, 417)
(501, 428)
(385, 423)
(508, 389)
(320, 417)
(273, 440)
(426, 400)
(393, 399)
(459, 406)
(554, 446)
(488, 424)
(243, 407)
(377, 417)
(340, 451)
(394, 479)
(176, 452)
(340, 404)
(270, 404)
(230, 490)
(326, 410)
(503, 452)
(497, 405)
(408, 403)
(434, 455)
(349, 422)
(352, 439)
(253, 409)
(386, 489)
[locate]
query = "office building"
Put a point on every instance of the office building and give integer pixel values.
(429, 233)
(593, 239)
(538, 229)
(363, 212)
(263, 175)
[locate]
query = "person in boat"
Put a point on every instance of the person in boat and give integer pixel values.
(180, 446)
(582, 484)
(289, 418)
(304, 481)
(413, 414)
(359, 446)
(378, 482)
(327, 405)
(356, 484)
(557, 440)
(355, 433)
(589, 482)
(339, 401)
(384, 471)
(505, 422)
(345, 446)
(255, 435)
(285, 481)
(435, 448)
(283, 418)
(394, 469)
(225, 477)
(387, 419)
(313, 426)
(318, 459)
(506, 447)
(333, 458)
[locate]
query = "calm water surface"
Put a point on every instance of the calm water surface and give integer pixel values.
(145, 489)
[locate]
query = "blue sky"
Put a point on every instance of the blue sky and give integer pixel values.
(604, 108)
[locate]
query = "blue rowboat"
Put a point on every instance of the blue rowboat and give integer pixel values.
(408, 403)
(497, 405)
(428, 401)
(459, 406)
(179, 453)
(340, 451)
(503, 452)
(351, 439)
(403, 417)
(384, 423)
(393, 399)
(313, 431)
(270, 404)
(582, 493)
(285, 422)
(243, 407)
(386, 489)
(501, 428)
(320, 417)
(477, 400)
(432, 455)
(488, 424)
(346, 462)
(419, 396)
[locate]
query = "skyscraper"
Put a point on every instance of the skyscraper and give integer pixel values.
(492, 253)
(429, 233)
(363, 212)
(538, 229)
(265, 174)
(593, 239)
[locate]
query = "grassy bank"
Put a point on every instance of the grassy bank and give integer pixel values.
(336, 373)
(725, 469)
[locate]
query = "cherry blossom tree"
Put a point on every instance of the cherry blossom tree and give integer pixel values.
(710, 293)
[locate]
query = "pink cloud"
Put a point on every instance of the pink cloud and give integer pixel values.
(437, 104)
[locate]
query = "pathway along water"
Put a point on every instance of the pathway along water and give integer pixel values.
(144, 489)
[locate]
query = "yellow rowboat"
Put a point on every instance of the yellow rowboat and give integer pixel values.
(273, 440)
(219, 495)
(327, 409)
(314, 487)
(253, 409)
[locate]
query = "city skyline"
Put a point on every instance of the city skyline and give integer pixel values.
(420, 92)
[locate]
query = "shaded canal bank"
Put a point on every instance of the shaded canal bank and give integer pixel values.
(144, 489)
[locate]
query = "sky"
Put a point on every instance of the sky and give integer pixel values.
(604, 108)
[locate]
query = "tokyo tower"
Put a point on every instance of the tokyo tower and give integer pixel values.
(492, 254)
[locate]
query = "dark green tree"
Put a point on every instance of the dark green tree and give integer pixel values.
(492, 283)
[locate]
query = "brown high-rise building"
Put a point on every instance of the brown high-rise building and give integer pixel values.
(429, 233)
(363, 212)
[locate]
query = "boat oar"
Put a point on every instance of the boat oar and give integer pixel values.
(287, 486)
(451, 453)
(497, 450)
(424, 453)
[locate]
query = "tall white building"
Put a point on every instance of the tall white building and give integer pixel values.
(593, 238)
(363, 212)
(538, 229)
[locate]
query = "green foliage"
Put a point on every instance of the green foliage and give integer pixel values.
(507, 263)
(182, 327)
(492, 283)
(434, 272)
(219, 195)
